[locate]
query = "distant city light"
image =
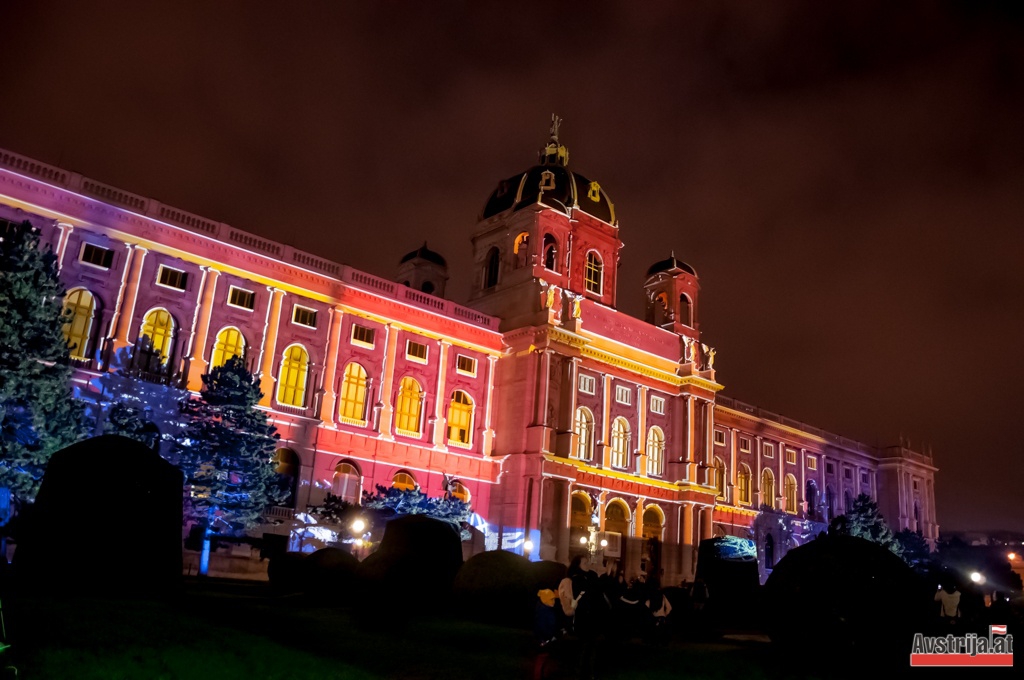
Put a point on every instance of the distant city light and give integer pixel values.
(358, 526)
(528, 545)
(976, 577)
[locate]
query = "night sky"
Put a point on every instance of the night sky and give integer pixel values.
(848, 181)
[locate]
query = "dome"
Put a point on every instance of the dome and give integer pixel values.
(552, 184)
(668, 264)
(424, 253)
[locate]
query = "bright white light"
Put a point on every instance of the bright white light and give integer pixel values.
(358, 526)
(359, 543)
(604, 543)
(1012, 556)
(976, 577)
(583, 540)
(528, 545)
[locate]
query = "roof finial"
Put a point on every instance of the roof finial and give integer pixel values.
(555, 152)
(556, 122)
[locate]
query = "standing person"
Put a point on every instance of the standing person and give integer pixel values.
(949, 604)
(567, 600)
(591, 616)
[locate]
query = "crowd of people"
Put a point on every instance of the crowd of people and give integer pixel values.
(593, 603)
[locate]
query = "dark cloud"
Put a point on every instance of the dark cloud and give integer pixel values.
(846, 178)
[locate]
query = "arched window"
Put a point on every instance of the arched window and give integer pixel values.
(158, 326)
(230, 343)
(79, 309)
(620, 443)
(460, 419)
(768, 488)
(347, 483)
(550, 253)
(830, 503)
(654, 522)
(409, 407)
(461, 492)
(655, 452)
(428, 287)
(812, 498)
(491, 266)
(593, 273)
(743, 483)
(352, 406)
(616, 517)
(769, 552)
(917, 516)
(521, 249)
(790, 492)
(584, 434)
(685, 310)
(847, 502)
(404, 481)
(719, 472)
(291, 381)
(287, 468)
(581, 511)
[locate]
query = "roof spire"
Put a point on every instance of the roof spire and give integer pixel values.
(555, 152)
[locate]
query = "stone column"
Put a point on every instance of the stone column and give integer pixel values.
(268, 349)
(125, 312)
(641, 444)
(488, 444)
(755, 483)
(730, 494)
(62, 242)
(691, 441)
(605, 452)
(441, 400)
(688, 549)
(329, 402)
(197, 365)
(387, 411)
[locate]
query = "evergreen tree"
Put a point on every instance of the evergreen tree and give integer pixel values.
(391, 502)
(226, 451)
(914, 549)
(130, 421)
(865, 521)
(37, 414)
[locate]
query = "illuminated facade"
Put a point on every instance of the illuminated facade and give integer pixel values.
(566, 422)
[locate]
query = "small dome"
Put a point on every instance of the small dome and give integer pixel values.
(424, 253)
(668, 265)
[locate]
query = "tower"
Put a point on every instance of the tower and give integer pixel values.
(547, 226)
(671, 291)
(424, 270)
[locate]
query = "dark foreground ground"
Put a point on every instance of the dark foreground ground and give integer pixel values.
(227, 630)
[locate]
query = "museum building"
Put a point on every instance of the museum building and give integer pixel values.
(568, 425)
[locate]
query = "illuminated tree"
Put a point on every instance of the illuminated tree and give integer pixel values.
(37, 414)
(226, 452)
(863, 520)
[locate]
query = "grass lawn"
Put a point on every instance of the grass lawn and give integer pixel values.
(225, 631)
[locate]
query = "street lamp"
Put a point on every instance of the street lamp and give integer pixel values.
(358, 526)
(528, 546)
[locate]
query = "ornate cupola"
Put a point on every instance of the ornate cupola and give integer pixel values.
(424, 270)
(547, 226)
(671, 290)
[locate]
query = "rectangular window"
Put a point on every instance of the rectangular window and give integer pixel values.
(587, 384)
(623, 395)
(172, 278)
(304, 316)
(96, 256)
(416, 351)
(768, 450)
(239, 297)
(915, 485)
(791, 456)
(848, 473)
(719, 437)
(465, 365)
(830, 468)
(863, 478)
(658, 405)
(745, 444)
(362, 336)
(812, 463)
